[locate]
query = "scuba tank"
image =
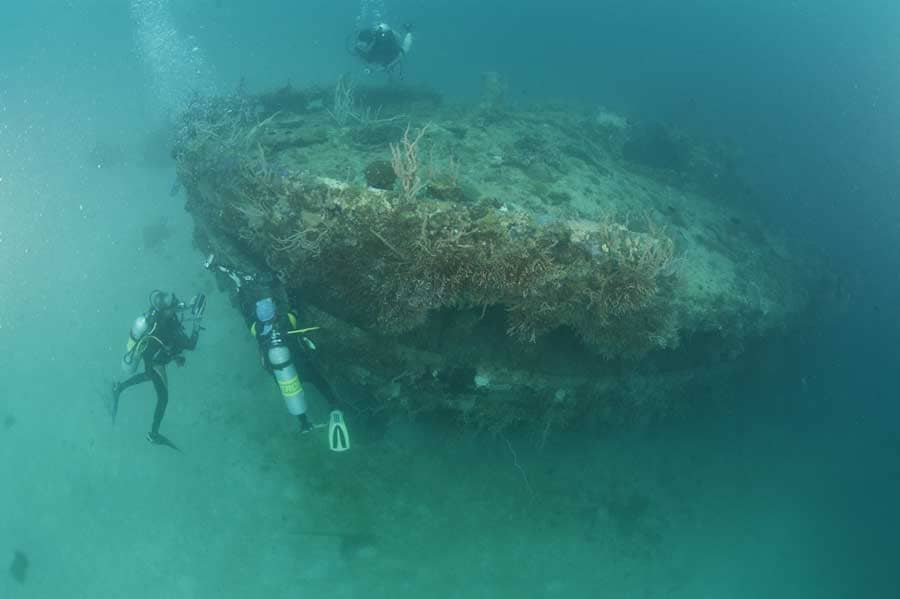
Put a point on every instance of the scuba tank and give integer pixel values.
(134, 347)
(142, 330)
(144, 326)
(286, 375)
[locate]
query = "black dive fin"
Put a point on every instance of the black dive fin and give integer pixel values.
(159, 439)
(114, 401)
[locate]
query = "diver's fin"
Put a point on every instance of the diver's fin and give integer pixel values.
(338, 436)
(116, 392)
(313, 427)
(158, 439)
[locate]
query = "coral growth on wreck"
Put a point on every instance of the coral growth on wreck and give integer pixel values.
(533, 245)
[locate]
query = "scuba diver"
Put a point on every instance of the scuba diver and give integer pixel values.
(158, 337)
(283, 349)
(381, 47)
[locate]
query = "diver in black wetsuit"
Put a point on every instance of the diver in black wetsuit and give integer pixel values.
(283, 350)
(382, 47)
(158, 337)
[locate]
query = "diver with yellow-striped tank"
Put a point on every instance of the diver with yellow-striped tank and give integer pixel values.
(284, 350)
(157, 338)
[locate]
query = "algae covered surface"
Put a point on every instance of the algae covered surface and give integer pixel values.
(506, 265)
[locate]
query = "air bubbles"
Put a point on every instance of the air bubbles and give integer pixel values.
(176, 65)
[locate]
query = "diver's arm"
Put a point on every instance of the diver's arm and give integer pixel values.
(402, 46)
(190, 343)
(237, 277)
(183, 342)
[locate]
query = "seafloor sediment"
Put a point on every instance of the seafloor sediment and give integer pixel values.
(505, 265)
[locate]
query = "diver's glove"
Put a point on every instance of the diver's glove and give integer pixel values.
(408, 27)
(195, 334)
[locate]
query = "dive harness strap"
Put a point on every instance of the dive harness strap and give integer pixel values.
(280, 365)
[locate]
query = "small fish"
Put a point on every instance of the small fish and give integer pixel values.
(19, 567)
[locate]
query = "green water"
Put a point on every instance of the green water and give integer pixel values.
(788, 489)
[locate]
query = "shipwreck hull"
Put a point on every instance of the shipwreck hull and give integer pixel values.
(522, 281)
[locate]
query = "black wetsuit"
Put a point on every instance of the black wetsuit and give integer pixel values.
(266, 286)
(166, 343)
(382, 47)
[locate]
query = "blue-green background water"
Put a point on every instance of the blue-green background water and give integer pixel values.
(792, 491)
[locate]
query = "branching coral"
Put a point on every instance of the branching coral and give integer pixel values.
(407, 165)
(391, 260)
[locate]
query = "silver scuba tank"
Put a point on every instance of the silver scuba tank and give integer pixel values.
(134, 346)
(287, 378)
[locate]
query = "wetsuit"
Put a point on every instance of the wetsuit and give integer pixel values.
(251, 288)
(266, 286)
(381, 46)
(164, 345)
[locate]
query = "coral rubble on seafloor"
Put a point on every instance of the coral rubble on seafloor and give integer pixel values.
(510, 266)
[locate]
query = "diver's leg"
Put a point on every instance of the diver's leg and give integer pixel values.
(157, 375)
(161, 385)
(305, 424)
(309, 373)
(118, 387)
(136, 379)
